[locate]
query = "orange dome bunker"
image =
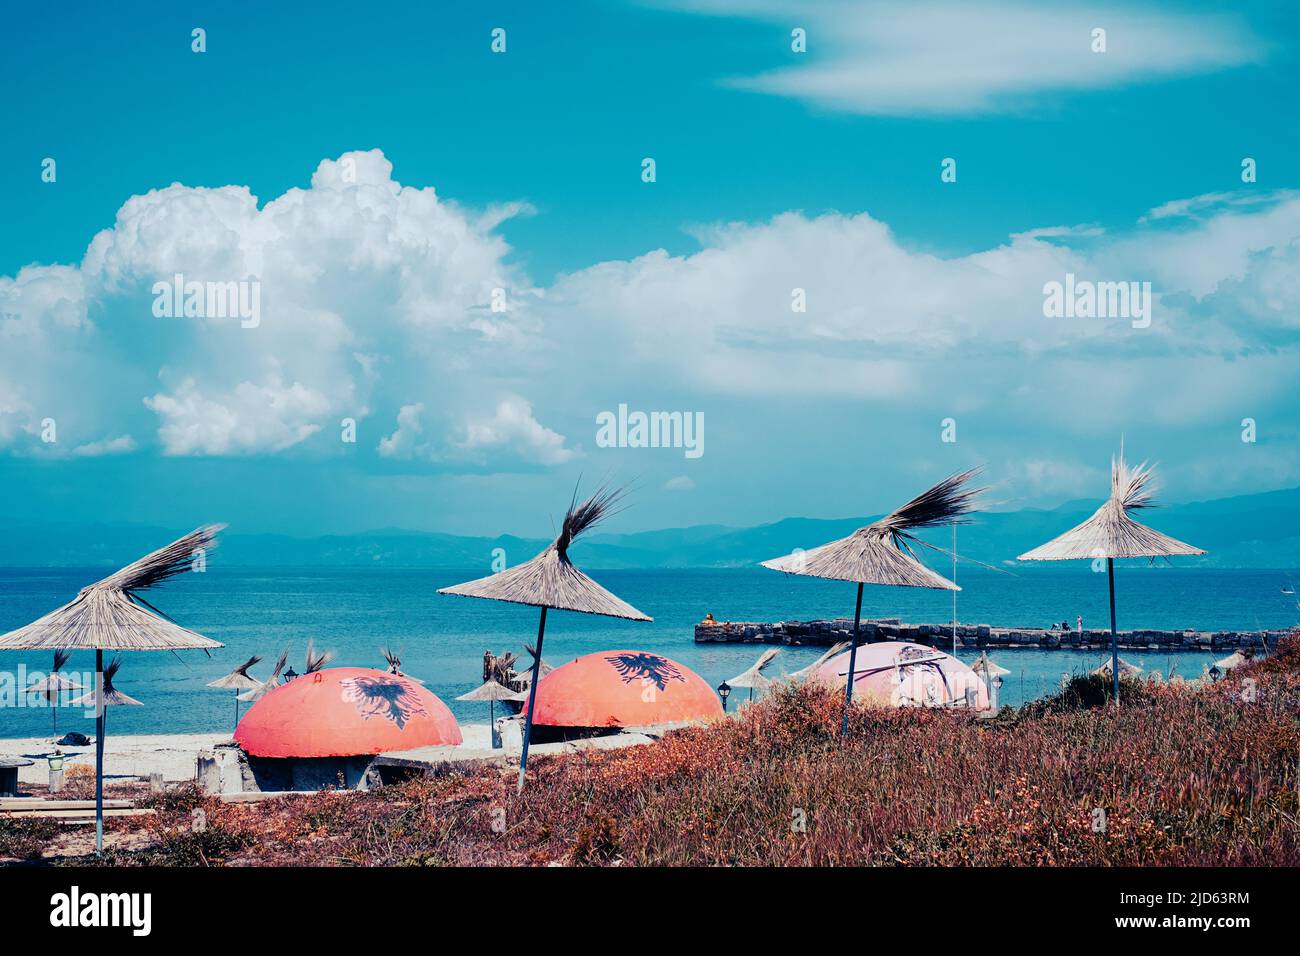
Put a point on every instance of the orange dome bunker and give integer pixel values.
(346, 712)
(624, 688)
(329, 728)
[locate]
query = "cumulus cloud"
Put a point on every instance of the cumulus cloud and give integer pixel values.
(395, 307)
(512, 429)
(372, 295)
(679, 483)
(405, 440)
(509, 434)
(249, 418)
(904, 57)
(871, 303)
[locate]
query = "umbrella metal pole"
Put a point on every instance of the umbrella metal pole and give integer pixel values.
(954, 593)
(1114, 637)
(99, 751)
(532, 697)
(853, 660)
(236, 707)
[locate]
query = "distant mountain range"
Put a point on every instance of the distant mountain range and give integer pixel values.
(1249, 531)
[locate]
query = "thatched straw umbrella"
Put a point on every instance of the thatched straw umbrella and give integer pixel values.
(112, 615)
(1235, 659)
(271, 683)
(540, 667)
(493, 691)
(754, 676)
(551, 581)
(238, 680)
(882, 553)
(54, 684)
(1125, 669)
(112, 696)
(395, 665)
(986, 668)
(1111, 534)
(804, 673)
(316, 661)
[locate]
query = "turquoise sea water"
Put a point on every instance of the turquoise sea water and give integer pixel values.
(441, 639)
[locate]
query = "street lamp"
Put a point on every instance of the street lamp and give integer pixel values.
(1215, 673)
(997, 687)
(724, 691)
(290, 674)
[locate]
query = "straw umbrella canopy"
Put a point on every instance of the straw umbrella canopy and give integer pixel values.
(550, 580)
(1110, 533)
(754, 678)
(540, 666)
(265, 687)
(1126, 669)
(53, 685)
(804, 673)
(986, 668)
(1235, 659)
(395, 665)
(316, 661)
(112, 696)
(112, 615)
(882, 553)
(493, 691)
(238, 680)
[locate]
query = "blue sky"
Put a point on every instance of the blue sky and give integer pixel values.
(775, 170)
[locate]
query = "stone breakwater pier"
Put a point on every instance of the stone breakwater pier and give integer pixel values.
(826, 633)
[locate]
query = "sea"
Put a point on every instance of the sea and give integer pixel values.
(355, 612)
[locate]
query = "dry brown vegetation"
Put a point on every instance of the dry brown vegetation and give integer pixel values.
(1184, 776)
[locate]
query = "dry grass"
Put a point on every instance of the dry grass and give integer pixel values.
(1184, 777)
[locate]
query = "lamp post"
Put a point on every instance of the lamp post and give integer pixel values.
(724, 691)
(997, 687)
(56, 770)
(290, 674)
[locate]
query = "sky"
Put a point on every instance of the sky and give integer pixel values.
(840, 265)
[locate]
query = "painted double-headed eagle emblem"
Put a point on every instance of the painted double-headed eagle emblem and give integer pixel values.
(647, 668)
(388, 697)
(913, 653)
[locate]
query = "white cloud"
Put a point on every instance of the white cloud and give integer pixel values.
(513, 430)
(372, 294)
(376, 306)
(1200, 207)
(895, 340)
(679, 483)
(947, 57)
(122, 445)
(248, 419)
(402, 443)
(506, 438)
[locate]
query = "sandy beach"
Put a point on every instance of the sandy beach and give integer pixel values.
(140, 755)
